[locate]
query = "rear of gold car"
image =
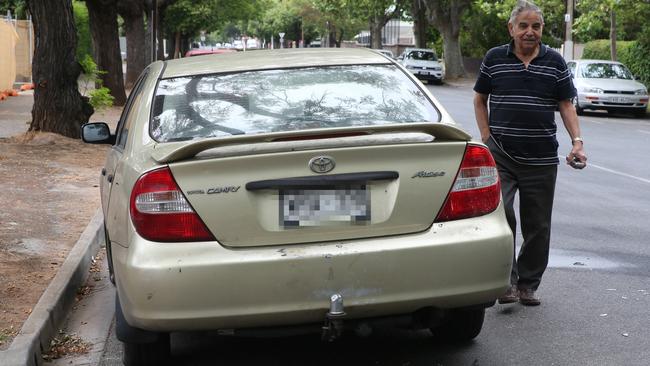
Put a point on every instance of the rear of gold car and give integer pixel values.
(305, 222)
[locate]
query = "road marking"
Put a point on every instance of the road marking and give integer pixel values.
(644, 131)
(613, 171)
(620, 173)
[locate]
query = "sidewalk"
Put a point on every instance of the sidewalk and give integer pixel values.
(16, 113)
(39, 223)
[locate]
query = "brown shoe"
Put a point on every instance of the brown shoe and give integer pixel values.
(527, 297)
(509, 296)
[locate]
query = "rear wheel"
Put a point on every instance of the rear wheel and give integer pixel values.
(141, 347)
(460, 325)
(579, 110)
(156, 353)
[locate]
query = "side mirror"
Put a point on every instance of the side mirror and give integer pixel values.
(97, 133)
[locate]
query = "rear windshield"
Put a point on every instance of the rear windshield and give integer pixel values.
(220, 105)
(606, 71)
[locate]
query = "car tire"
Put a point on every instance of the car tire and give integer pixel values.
(156, 353)
(109, 256)
(141, 347)
(579, 110)
(640, 113)
(460, 325)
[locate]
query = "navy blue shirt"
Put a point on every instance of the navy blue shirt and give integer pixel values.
(523, 101)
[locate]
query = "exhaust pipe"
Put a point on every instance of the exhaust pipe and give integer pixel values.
(333, 327)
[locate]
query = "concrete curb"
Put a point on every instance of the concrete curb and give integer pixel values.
(51, 310)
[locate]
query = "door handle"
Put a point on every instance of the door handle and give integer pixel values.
(103, 171)
(110, 178)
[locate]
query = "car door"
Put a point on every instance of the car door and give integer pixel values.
(116, 153)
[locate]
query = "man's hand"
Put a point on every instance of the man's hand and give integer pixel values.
(577, 158)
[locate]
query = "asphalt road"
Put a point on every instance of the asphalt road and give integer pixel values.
(595, 295)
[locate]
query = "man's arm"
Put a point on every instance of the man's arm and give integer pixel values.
(570, 119)
(481, 112)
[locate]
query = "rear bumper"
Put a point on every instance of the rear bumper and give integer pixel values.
(197, 286)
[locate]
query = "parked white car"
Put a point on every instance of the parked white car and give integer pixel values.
(607, 85)
(423, 63)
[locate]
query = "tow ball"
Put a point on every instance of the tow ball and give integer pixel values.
(333, 327)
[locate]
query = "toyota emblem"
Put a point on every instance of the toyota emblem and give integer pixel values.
(322, 164)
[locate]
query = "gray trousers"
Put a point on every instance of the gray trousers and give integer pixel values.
(536, 186)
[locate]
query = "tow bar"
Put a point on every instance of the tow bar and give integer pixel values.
(333, 327)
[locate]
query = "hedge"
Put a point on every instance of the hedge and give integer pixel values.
(632, 53)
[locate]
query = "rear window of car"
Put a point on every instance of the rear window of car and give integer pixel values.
(220, 105)
(606, 71)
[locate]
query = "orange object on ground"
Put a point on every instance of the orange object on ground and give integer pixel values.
(3, 96)
(26, 87)
(12, 93)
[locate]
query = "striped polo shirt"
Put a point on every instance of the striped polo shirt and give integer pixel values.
(522, 102)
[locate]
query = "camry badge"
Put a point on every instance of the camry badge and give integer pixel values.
(322, 164)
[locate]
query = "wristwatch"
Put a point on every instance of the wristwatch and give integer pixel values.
(576, 139)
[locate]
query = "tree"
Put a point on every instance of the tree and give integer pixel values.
(615, 19)
(132, 11)
(102, 15)
(58, 105)
(445, 15)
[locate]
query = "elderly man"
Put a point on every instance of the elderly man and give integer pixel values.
(524, 81)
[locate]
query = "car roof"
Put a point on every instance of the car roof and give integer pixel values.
(270, 59)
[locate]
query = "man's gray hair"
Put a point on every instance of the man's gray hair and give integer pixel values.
(522, 6)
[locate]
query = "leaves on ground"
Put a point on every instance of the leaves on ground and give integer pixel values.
(66, 344)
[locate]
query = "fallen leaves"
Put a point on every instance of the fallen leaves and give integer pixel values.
(66, 344)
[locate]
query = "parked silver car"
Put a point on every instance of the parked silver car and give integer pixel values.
(316, 188)
(607, 85)
(423, 63)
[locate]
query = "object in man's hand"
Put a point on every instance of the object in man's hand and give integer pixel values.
(576, 163)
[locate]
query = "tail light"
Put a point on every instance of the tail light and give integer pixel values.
(160, 211)
(476, 190)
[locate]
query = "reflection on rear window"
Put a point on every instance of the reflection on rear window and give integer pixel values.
(606, 71)
(217, 105)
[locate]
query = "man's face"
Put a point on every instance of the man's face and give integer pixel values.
(526, 31)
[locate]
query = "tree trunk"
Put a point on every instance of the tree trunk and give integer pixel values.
(420, 23)
(58, 106)
(612, 35)
(453, 58)
(375, 32)
(132, 11)
(177, 45)
(102, 16)
(446, 18)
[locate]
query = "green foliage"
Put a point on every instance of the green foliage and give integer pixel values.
(594, 17)
(485, 24)
(189, 17)
(18, 8)
(84, 40)
(632, 53)
(100, 96)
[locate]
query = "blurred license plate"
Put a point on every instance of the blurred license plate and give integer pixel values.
(317, 207)
(620, 99)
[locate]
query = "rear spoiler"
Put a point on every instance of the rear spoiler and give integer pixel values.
(169, 152)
